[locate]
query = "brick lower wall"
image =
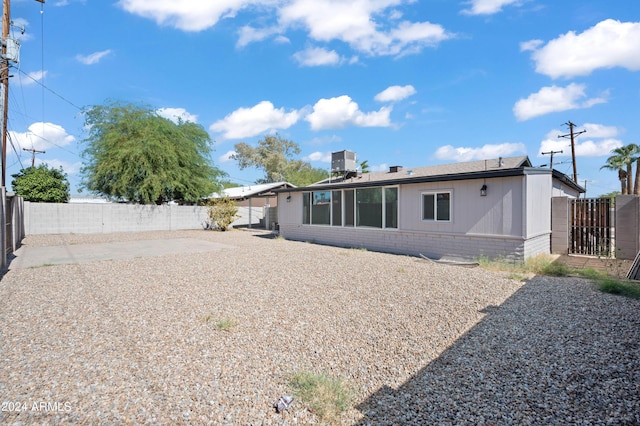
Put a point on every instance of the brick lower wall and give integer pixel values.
(467, 247)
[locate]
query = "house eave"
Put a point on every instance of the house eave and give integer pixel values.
(408, 180)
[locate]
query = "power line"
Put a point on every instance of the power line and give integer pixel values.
(51, 90)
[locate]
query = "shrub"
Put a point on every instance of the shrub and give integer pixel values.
(222, 212)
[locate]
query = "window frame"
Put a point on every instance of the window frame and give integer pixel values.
(346, 202)
(435, 194)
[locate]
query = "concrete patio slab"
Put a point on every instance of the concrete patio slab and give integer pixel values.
(29, 257)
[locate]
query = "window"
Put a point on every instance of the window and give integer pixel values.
(349, 207)
(436, 206)
(336, 208)
(306, 208)
(367, 207)
(321, 208)
(391, 207)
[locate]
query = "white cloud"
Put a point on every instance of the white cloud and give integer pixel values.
(67, 167)
(324, 157)
(395, 93)
(586, 148)
(246, 122)
(248, 35)
(554, 99)
(93, 58)
(42, 136)
(530, 45)
(317, 56)
(597, 141)
(336, 113)
(186, 15)
(487, 7)
(33, 77)
(174, 114)
(449, 152)
(599, 131)
(608, 44)
(354, 24)
(369, 26)
(226, 158)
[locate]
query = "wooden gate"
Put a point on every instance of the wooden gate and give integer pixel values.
(591, 227)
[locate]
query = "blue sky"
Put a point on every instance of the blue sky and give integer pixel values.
(400, 82)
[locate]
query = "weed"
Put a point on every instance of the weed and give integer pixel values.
(539, 265)
(226, 324)
(44, 265)
(324, 396)
(622, 288)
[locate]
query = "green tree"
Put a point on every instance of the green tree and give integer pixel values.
(275, 156)
(623, 158)
(364, 166)
(41, 184)
(303, 174)
(135, 155)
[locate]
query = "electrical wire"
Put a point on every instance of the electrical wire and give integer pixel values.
(51, 90)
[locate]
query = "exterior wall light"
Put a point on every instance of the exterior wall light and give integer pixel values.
(288, 198)
(483, 191)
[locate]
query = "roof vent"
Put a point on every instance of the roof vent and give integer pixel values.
(500, 162)
(395, 169)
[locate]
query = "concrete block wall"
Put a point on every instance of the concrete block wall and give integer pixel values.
(560, 225)
(59, 218)
(467, 247)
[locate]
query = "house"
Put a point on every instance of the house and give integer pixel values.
(258, 195)
(256, 203)
(494, 208)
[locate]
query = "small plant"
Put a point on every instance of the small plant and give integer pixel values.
(222, 212)
(225, 324)
(612, 286)
(324, 396)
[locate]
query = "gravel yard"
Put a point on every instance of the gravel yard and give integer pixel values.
(139, 341)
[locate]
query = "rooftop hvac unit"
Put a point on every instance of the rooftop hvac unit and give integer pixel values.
(343, 162)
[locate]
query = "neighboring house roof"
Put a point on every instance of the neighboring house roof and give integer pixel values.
(497, 167)
(245, 192)
(88, 198)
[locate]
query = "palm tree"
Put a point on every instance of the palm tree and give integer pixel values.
(623, 157)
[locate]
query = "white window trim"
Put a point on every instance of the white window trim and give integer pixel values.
(435, 206)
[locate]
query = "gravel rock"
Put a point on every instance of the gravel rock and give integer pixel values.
(140, 340)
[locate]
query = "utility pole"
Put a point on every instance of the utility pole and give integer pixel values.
(4, 81)
(4, 78)
(33, 155)
(572, 135)
(552, 152)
